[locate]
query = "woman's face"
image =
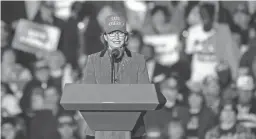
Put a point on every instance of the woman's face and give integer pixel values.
(170, 91)
(134, 44)
(227, 114)
(158, 18)
(159, 22)
(42, 74)
(55, 62)
(194, 17)
(175, 131)
(195, 101)
(115, 39)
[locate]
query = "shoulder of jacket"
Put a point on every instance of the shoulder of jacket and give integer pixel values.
(94, 54)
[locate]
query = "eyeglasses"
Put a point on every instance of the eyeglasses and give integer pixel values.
(113, 34)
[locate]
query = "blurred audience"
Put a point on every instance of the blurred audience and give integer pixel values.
(200, 55)
(11, 70)
(9, 103)
(200, 117)
(9, 129)
(175, 130)
(66, 126)
(228, 126)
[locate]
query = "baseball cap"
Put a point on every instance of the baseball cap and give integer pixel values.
(114, 23)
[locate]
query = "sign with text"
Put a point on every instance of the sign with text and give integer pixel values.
(32, 37)
(167, 47)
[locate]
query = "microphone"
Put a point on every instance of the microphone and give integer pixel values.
(116, 53)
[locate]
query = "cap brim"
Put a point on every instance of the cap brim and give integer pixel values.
(124, 31)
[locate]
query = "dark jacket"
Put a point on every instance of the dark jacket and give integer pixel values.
(207, 120)
(43, 125)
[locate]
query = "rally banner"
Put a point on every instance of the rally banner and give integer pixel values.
(32, 37)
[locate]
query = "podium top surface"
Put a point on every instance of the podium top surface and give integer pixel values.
(109, 97)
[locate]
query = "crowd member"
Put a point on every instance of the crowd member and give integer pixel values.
(9, 129)
(228, 126)
(52, 100)
(247, 57)
(212, 93)
(202, 52)
(241, 18)
(35, 103)
(47, 107)
(149, 53)
(253, 68)
(60, 71)
(40, 78)
(71, 43)
(192, 16)
(245, 101)
(9, 103)
(5, 35)
(11, 70)
(135, 41)
(203, 45)
(173, 108)
(175, 130)
(66, 126)
(199, 117)
(160, 19)
(224, 75)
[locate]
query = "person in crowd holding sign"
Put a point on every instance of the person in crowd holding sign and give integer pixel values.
(208, 43)
(129, 67)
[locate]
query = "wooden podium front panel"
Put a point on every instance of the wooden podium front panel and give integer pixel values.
(111, 121)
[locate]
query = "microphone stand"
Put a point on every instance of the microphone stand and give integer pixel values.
(112, 70)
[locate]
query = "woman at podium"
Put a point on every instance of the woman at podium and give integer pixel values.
(115, 64)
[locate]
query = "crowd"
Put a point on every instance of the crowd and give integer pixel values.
(200, 55)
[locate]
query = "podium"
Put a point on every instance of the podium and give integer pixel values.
(111, 110)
